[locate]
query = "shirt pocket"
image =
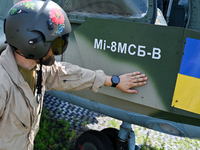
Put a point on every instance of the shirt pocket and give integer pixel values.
(72, 79)
(72, 75)
(17, 124)
(70, 82)
(69, 78)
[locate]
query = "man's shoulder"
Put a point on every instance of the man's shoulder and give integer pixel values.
(5, 80)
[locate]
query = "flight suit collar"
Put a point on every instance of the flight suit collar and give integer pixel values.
(9, 63)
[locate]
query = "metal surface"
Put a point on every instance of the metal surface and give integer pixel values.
(118, 46)
(127, 134)
(161, 67)
(169, 10)
(126, 46)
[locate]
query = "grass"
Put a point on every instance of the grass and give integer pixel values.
(54, 134)
(113, 123)
(147, 144)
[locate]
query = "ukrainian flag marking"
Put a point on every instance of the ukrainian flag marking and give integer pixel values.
(187, 89)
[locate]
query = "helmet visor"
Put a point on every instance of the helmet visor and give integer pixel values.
(59, 44)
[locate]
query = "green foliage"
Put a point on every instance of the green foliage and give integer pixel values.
(53, 134)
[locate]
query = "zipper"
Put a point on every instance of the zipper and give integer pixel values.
(71, 80)
(24, 125)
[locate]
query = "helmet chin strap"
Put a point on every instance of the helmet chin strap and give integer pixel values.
(39, 83)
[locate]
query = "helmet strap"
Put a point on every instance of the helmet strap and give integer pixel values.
(39, 82)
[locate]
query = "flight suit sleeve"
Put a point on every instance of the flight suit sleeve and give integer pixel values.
(64, 76)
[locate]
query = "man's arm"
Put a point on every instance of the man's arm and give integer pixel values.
(65, 76)
(128, 81)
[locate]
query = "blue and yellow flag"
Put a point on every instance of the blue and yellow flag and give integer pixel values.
(187, 89)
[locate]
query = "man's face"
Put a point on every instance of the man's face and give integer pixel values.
(49, 59)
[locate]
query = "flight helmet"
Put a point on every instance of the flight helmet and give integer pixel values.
(33, 26)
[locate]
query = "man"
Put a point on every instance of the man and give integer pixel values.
(35, 32)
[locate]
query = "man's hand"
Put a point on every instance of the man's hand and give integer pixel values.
(128, 81)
